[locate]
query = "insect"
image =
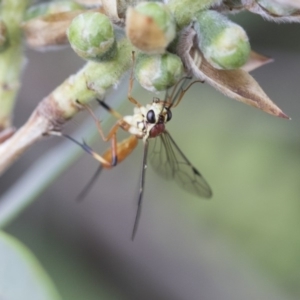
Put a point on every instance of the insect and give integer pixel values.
(148, 123)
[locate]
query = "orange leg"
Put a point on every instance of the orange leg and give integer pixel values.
(131, 80)
(123, 149)
(117, 151)
(98, 123)
(110, 136)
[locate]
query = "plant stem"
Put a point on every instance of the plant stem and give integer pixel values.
(47, 169)
(91, 82)
(11, 59)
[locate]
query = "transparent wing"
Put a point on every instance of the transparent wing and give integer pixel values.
(169, 162)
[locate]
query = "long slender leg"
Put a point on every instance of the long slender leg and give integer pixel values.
(131, 80)
(90, 183)
(109, 109)
(141, 191)
(111, 136)
(98, 123)
(122, 149)
(112, 133)
(175, 87)
(85, 147)
(183, 91)
(110, 158)
(170, 99)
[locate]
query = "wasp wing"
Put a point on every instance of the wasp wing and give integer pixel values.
(169, 161)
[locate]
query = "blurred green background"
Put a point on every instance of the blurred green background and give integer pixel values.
(242, 244)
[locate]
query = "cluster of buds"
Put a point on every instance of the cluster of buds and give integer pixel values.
(170, 38)
(151, 27)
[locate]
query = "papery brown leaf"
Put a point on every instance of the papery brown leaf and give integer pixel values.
(89, 2)
(115, 10)
(48, 30)
(236, 84)
(255, 61)
(293, 3)
(258, 9)
(254, 7)
(6, 133)
(111, 9)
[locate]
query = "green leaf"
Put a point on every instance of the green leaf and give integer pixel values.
(21, 275)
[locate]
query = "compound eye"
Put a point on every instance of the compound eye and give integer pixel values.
(169, 114)
(151, 116)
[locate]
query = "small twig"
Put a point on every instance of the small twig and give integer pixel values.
(47, 168)
(6, 134)
(11, 60)
(32, 131)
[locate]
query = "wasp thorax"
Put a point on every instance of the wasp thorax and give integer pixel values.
(156, 130)
(140, 125)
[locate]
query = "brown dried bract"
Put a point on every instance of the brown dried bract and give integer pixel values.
(48, 30)
(255, 61)
(236, 84)
(241, 86)
(293, 3)
(260, 10)
(6, 133)
(89, 2)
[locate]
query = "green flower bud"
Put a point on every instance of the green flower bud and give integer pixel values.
(158, 72)
(184, 10)
(150, 27)
(4, 40)
(277, 9)
(52, 7)
(224, 44)
(91, 36)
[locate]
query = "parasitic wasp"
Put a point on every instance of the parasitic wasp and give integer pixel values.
(148, 123)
